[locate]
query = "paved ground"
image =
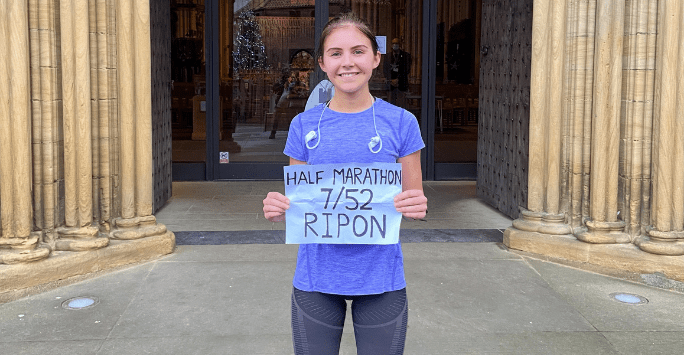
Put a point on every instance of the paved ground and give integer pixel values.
(465, 297)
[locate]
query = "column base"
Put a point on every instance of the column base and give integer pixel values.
(619, 257)
(655, 244)
(22, 250)
(136, 228)
(79, 239)
(542, 222)
(604, 233)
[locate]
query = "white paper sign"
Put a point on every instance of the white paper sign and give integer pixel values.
(342, 203)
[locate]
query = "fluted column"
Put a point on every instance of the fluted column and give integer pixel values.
(45, 98)
(17, 242)
(78, 232)
(667, 208)
(546, 89)
(603, 224)
(135, 110)
(638, 92)
(581, 29)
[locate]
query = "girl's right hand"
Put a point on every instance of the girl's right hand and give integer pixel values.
(275, 205)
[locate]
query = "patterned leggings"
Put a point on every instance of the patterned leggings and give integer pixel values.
(379, 322)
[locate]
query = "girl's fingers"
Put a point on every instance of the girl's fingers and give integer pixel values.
(275, 205)
(411, 204)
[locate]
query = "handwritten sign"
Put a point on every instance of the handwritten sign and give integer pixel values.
(342, 203)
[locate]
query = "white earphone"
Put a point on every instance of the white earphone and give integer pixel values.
(372, 144)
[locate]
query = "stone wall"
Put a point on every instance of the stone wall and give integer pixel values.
(606, 165)
(76, 138)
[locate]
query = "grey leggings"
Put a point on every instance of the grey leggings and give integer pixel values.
(379, 322)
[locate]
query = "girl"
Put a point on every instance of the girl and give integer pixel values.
(370, 276)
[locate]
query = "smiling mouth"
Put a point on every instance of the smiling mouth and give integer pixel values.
(347, 74)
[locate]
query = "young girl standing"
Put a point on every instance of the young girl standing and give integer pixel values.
(353, 127)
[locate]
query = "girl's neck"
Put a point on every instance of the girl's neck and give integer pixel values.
(351, 103)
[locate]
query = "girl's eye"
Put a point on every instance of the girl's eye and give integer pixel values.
(335, 54)
(358, 51)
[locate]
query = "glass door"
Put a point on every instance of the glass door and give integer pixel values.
(456, 88)
(242, 69)
(188, 102)
(265, 66)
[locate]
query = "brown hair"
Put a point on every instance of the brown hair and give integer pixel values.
(341, 20)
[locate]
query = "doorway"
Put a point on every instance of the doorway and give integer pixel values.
(242, 69)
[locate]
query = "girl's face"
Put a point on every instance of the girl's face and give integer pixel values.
(348, 60)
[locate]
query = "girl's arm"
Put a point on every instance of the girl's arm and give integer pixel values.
(411, 202)
(275, 203)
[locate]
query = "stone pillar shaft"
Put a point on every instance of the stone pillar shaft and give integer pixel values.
(580, 82)
(546, 112)
(143, 105)
(126, 100)
(135, 112)
(638, 92)
(15, 112)
(548, 42)
(606, 110)
(135, 107)
(603, 226)
(17, 242)
(77, 113)
(667, 208)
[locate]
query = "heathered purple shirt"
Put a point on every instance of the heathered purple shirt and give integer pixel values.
(352, 269)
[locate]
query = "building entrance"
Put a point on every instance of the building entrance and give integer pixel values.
(242, 69)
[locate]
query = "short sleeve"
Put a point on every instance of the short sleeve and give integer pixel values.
(410, 131)
(294, 146)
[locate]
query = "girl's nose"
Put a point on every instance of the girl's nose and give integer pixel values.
(347, 60)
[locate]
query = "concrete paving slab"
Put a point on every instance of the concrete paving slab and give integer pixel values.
(464, 298)
(455, 296)
(665, 343)
(42, 317)
(234, 253)
(211, 299)
(222, 215)
(589, 293)
(187, 223)
(529, 343)
(458, 251)
(263, 344)
(71, 347)
(247, 204)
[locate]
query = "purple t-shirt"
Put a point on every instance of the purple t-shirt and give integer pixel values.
(349, 269)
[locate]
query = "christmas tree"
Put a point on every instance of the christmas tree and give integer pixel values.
(250, 52)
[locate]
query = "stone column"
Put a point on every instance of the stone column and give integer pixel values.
(581, 30)
(638, 92)
(543, 213)
(78, 233)
(103, 111)
(17, 242)
(667, 207)
(45, 98)
(135, 110)
(603, 224)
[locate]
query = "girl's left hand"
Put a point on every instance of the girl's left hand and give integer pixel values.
(411, 204)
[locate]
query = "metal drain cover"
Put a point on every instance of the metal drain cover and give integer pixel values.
(80, 303)
(628, 298)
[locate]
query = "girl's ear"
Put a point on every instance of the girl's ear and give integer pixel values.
(321, 64)
(376, 60)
